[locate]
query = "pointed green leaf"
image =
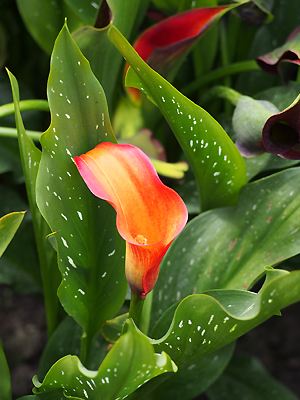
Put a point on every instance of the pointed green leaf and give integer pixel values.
(5, 384)
(130, 363)
(30, 158)
(218, 167)
(90, 251)
(246, 378)
(29, 153)
(230, 247)
(204, 323)
(8, 226)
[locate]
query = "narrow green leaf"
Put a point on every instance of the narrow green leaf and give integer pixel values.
(230, 247)
(204, 323)
(130, 363)
(90, 251)
(8, 226)
(5, 384)
(30, 158)
(246, 378)
(218, 167)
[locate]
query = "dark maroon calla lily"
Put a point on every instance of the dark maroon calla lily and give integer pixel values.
(281, 132)
(165, 41)
(279, 59)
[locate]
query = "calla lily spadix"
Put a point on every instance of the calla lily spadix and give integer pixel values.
(149, 214)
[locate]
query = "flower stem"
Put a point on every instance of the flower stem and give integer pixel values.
(40, 105)
(83, 348)
(219, 73)
(222, 92)
(136, 310)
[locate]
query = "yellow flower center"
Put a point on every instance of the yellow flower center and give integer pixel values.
(141, 239)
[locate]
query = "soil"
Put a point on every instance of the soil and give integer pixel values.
(22, 330)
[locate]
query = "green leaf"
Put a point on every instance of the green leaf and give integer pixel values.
(104, 58)
(231, 247)
(66, 340)
(85, 10)
(90, 251)
(267, 162)
(43, 22)
(30, 158)
(191, 380)
(246, 378)
(113, 328)
(218, 167)
(8, 226)
(130, 363)
(5, 384)
(248, 126)
(19, 265)
(280, 96)
(204, 323)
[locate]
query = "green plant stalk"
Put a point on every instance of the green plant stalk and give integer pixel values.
(220, 73)
(13, 133)
(5, 384)
(84, 346)
(222, 92)
(25, 105)
(136, 310)
(225, 58)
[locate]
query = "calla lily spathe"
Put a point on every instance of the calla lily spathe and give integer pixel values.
(163, 43)
(149, 214)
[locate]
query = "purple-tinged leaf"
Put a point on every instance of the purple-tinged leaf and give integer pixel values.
(276, 61)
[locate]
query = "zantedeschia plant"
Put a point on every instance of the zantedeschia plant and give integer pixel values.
(161, 238)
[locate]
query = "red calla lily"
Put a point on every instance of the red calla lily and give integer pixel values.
(160, 44)
(149, 214)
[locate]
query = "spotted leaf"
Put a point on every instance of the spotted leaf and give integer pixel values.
(204, 323)
(90, 251)
(130, 363)
(230, 247)
(219, 168)
(247, 378)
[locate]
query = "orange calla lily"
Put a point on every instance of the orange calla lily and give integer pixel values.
(149, 214)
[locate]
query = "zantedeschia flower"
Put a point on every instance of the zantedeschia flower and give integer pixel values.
(149, 214)
(281, 132)
(287, 55)
(165, 41)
